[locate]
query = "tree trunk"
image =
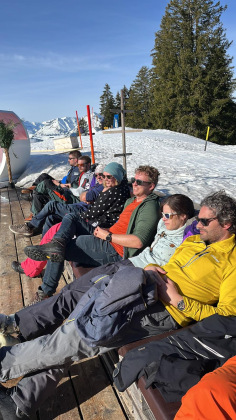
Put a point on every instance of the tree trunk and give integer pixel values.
(9, 168)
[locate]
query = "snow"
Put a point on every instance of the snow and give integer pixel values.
(58, 127)
(183, 164)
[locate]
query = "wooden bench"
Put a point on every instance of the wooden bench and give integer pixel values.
(150, 401)
(145, 404)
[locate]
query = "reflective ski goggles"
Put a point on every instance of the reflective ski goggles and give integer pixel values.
(139, 181)
(205, 222)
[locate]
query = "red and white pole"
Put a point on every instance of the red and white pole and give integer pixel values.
(90, 133)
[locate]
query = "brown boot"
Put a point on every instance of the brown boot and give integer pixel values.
(28, 190)
(28, 219)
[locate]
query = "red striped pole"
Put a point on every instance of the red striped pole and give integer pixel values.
(90, 133)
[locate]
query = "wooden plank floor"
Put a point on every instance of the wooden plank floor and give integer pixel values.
(86, 392)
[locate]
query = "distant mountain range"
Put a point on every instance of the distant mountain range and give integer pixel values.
(58, 127)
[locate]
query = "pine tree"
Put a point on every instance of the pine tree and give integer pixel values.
(140, 100)
(192, 73)
(118, 100)
(107, 103)
(126, 92)
(83, 126)
(117, 106)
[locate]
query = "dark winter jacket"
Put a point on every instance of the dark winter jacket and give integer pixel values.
(176, 363)
(109, 305)
(72, 176)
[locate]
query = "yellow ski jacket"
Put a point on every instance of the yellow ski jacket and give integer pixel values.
(206, 277)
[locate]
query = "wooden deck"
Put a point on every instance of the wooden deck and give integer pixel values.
(86, 392)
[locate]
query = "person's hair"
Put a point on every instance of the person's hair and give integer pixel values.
(99, 168)
(224, 208)
(76, 154)
(85, 158)
(180, 204)
(150, 171)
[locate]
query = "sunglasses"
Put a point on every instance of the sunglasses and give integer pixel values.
(82, 164)
(168, 215)
(100, 174)
(107, 176)
(205, 222)
(71, 158)
(139, 181)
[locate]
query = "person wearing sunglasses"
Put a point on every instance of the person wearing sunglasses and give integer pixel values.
(69, 178)
(68, 193)
(50, 190)
(176, 210)
(134, 230)
(199, 282)
(51, 215)
(103, 212)
(47, 181)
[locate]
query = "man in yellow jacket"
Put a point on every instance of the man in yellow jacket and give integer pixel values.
(198, 281)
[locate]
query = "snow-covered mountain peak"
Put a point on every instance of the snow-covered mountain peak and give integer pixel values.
(61, 126)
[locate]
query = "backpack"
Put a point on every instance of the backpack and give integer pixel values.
(109, 305)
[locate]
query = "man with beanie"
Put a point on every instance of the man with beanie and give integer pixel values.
(101, 244)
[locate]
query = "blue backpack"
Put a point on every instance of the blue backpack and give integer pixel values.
(109, 305)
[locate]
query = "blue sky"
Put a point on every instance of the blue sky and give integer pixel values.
(56, 56)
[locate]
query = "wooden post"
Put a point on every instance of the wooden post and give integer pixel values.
(122, 111)
(123, 127)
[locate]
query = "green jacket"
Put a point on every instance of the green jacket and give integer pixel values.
(143, 222)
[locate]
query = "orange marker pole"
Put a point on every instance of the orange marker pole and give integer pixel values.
(79, 130)
(91, 134)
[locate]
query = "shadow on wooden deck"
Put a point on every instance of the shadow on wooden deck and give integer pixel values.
(86, 392)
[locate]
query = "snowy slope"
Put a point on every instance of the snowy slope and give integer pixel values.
(183, 164)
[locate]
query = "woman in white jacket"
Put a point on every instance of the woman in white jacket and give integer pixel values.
(176, 210)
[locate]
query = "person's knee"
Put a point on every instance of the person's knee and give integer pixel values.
(50, 206)
(85, 241)
(71, 217)
(47, 225)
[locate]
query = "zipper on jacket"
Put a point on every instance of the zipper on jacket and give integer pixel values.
(196, 256)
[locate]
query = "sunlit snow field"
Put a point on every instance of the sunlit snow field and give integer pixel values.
(182, 162)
